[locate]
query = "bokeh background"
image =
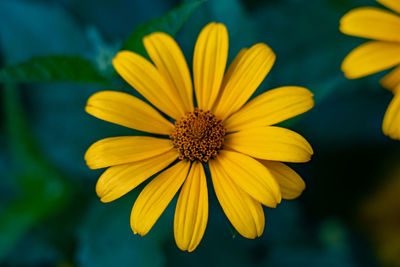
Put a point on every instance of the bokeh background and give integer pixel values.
(349, 215)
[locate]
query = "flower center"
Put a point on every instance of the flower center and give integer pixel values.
(198, 135)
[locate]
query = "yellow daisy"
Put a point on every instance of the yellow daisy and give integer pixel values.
(383, 27)
(234, 139)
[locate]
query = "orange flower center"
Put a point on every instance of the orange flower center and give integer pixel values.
(199, 135)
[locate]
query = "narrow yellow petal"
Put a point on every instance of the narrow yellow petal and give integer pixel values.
(251, 176)
(127, 110)
(191, 212)
(370, 58)
(391, 122)
(120, 150)
(290, 182)
(147, 80)
(209, 62)
(392, 80)
(392, 4)
(245, 75)
(233, 67)
(244, 213)
(171, 63)
(372, 23)
(271, 107)
(156, 196)
(271, 143)
(118, 180)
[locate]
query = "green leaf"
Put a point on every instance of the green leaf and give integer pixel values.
(22, 34)
(20, 216)
(52, 69)
(44, 190)
(169, 23)
(106, 239)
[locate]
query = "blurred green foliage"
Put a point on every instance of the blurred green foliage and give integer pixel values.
(52, 69)
(43, 190)
(169, 23)
(49, 213)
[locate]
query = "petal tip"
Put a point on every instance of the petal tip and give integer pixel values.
(92, 166)
(390, 133)
(260, 231)
(347, 72)
(220, 26)
(118, 56)
(134, 231)
(102, 193)
(103, 200)
(279, 199)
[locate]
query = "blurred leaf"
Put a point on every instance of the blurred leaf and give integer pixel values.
(106, 238)
(37, 250)
(169, 23)
(242, 32)
(52, 69)
(39, 28)
(44, 189)
(20, 216)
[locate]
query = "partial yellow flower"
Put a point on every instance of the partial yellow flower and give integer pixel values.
(382, 53)
(233, 138)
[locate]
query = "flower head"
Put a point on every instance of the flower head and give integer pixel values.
(233, 138)
(382, 53)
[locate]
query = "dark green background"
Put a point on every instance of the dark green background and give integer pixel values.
(49, 212)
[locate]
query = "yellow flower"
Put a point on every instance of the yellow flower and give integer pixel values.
(234, 139)
(380, 54)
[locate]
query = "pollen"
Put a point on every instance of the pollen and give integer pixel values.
(199, 135)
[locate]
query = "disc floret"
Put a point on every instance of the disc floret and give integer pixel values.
(199, 135)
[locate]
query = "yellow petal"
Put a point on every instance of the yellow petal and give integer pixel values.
(118, 180)
(392, 80)
(271, 107)
(156, 196)
(209, 62)
(127, 110)
(271, 143)
(251, 176)
(147, 80)
(191, 212)
(120, 150)
(391, 122)
(370, 58)
(372, 23)
(233, 67)
(170, 62)
(244, 213)
(244, 78)
(392, 4)
(290, 182)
